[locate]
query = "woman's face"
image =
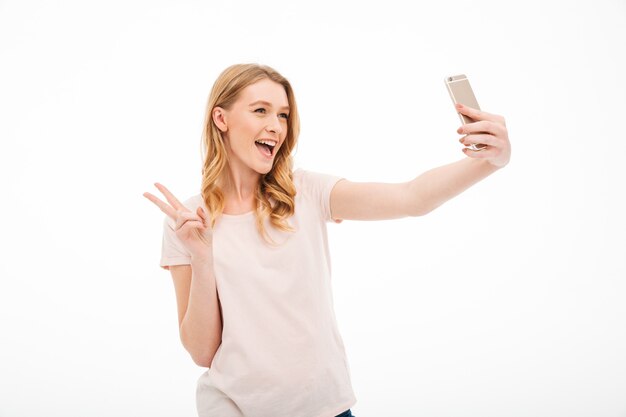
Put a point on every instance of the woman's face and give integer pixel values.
(258, 115)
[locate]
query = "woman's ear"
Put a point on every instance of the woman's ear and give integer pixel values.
(219, 118)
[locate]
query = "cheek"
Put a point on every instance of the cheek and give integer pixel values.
(241, 131)
(248, 127)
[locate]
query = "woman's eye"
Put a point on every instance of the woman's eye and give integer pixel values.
(262, 110)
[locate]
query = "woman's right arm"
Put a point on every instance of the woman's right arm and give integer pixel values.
(199, 317)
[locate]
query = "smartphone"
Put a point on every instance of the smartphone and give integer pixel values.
(461, 92)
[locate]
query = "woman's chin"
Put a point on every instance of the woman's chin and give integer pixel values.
(264, 169)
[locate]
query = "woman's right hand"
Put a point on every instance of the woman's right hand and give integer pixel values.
(192, 228)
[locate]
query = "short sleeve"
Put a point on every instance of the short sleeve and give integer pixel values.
(318, 186)
(172, 251)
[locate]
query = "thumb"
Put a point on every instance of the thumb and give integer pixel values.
(201, 213)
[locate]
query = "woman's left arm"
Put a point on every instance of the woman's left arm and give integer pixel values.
(380, 201)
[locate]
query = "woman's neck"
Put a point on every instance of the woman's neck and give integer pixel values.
(239, 191)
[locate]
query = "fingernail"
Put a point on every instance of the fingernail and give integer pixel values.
(459, 130)
(459, 105)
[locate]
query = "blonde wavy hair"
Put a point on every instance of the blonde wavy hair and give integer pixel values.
(277, 184)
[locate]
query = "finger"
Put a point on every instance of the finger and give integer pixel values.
(479, 154)
(183, 217)
(203, 236)
(477, 114)
(200, 229)
(192, 224)
(476, 139)
(165, 208)
(200, 212)
(484, 126)
(170, 197)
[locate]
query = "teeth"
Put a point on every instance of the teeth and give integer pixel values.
(268, 142)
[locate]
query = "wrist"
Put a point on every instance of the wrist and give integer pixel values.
(202, 260)
(487, 166)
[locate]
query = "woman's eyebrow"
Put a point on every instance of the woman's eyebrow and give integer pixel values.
(265, 103)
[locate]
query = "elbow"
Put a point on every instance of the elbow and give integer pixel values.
(201, 353)
(417, 213)
(203, 360)
(420, 206)
(417, 210)
(202, 357)
(415, 203)
(422, 211)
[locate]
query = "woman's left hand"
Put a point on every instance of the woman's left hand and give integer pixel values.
(488, 129)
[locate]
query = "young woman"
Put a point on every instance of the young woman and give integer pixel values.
(249, 254)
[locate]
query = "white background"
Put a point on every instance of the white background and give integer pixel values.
(506, 301)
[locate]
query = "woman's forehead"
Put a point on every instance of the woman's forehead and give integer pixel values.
(267, 91)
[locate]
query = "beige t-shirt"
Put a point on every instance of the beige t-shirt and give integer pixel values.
(281, 353)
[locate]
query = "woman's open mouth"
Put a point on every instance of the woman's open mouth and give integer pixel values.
(266, 147)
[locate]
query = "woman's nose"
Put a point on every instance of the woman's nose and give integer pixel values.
(275, 126)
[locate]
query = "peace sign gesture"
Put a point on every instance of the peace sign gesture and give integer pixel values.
(191, 228)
